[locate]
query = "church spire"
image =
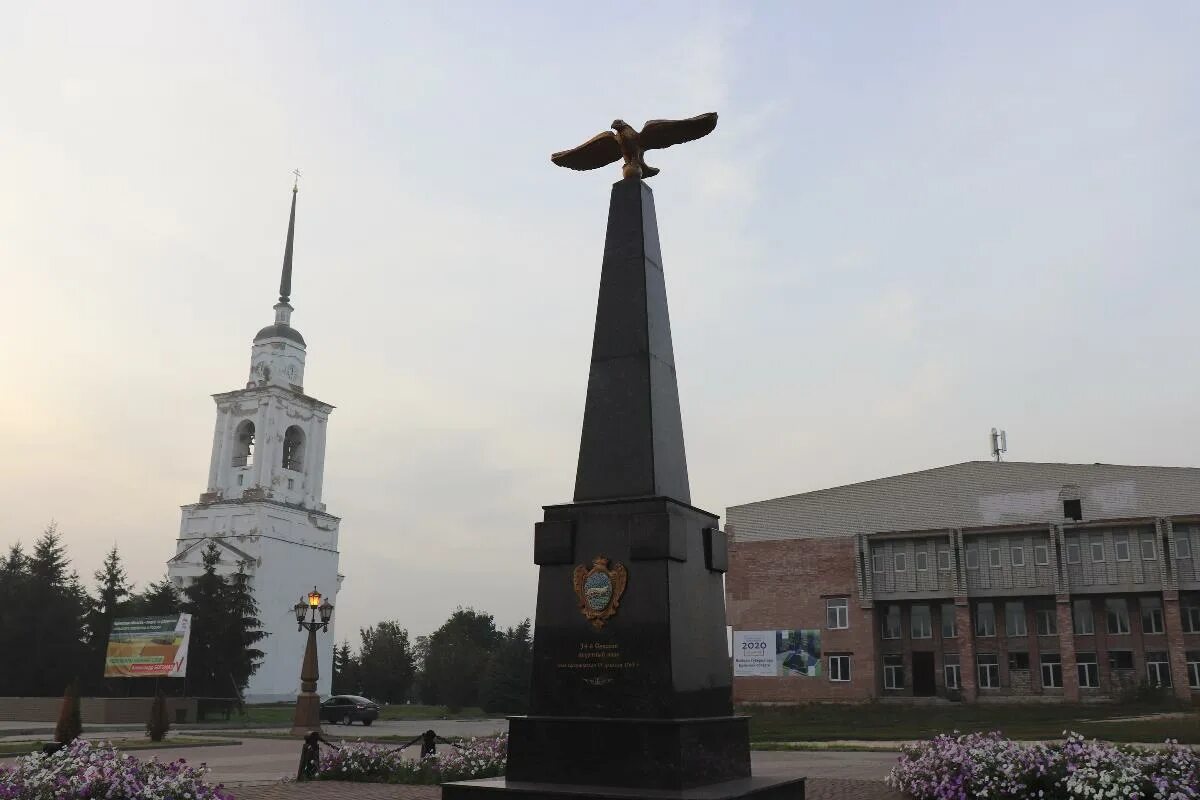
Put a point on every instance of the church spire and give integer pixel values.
(285, 280)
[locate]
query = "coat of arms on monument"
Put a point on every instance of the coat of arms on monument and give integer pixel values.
(599, 589)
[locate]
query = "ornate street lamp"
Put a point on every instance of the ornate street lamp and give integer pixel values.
(308, 704)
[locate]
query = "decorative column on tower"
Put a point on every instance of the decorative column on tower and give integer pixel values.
(262, 507)
(631, 690)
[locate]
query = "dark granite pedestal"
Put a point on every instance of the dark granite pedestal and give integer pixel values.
(631, 695)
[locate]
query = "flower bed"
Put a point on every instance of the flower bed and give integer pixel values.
(375, 763)
(953, 767)
(86, 769)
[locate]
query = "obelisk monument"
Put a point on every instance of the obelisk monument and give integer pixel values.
(631, 690)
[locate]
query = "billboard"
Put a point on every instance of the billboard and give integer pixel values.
(777, 654)
(148, 647)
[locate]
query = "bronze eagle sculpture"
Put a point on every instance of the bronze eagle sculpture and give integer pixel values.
(624, 142)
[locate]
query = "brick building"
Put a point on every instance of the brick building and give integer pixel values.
(978, 580)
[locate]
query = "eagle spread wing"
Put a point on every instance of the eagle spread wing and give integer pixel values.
(598, 151)
(619, 577)
(577, 579)
(659, 133)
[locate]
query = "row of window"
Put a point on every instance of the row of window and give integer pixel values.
(1041, 555)
(987, 666)
(1116, 614)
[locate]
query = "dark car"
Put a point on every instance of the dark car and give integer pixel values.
(347, 708)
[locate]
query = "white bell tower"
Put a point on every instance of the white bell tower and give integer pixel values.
(263, 504)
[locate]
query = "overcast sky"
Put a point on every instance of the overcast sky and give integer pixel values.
(912, 223)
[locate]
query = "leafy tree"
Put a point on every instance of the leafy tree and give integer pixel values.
(345, 671)
(456, 657)
(505, 684)
(385, 662)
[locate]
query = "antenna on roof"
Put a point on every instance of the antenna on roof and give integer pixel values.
(999, 443)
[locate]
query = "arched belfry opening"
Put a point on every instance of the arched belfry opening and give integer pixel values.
(293, 448)
(243, 444)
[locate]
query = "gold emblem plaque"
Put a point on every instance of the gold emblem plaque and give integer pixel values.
(599, 589)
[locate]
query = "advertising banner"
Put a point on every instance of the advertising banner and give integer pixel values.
(754, 653)
(777, 654)
(148, 647)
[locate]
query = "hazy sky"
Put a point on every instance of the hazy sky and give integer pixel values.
(913, 222)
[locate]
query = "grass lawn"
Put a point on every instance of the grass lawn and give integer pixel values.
(876, 721)
(27, 746)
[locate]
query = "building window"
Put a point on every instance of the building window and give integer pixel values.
(989, 671)
(893, 672)
(944, 560)
(1158, 671)
(243, 447)
(291, 483)
(920, 622)
(1014, 619)
(293, 448)
(1084, 618)
(837, 613)
(1041, 555)
(1120, 659)
(891, 623)
(241, 479)
(1073, 509)
(1152, 614)
(1117, 612)
(1149, 551)
(839, 668)
(1051, 671)
(1089, 670)
(994, 557)
(1183, 547)
(1073, 556)
(1191, 619)
(900, 562)
(1047, 621)
(1018, 556)
(952, 671)
(1122, 545)
(878, 562)
(1018, 659)
(985, 620)
(949, 621)
(972, 558)
(1193, 668)
(922, 561)
(1098, 551)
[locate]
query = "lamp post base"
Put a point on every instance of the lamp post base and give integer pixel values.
(308, 714)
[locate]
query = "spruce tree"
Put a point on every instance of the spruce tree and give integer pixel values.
(53, 623)
(385, 662)
(14, 612)
(204, 599)
(112, 593)
(243, 630)
(158, 599)
(345, 671)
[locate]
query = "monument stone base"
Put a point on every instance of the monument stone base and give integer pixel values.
(759, 788)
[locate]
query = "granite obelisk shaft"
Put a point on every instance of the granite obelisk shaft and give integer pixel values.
(632, 442)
